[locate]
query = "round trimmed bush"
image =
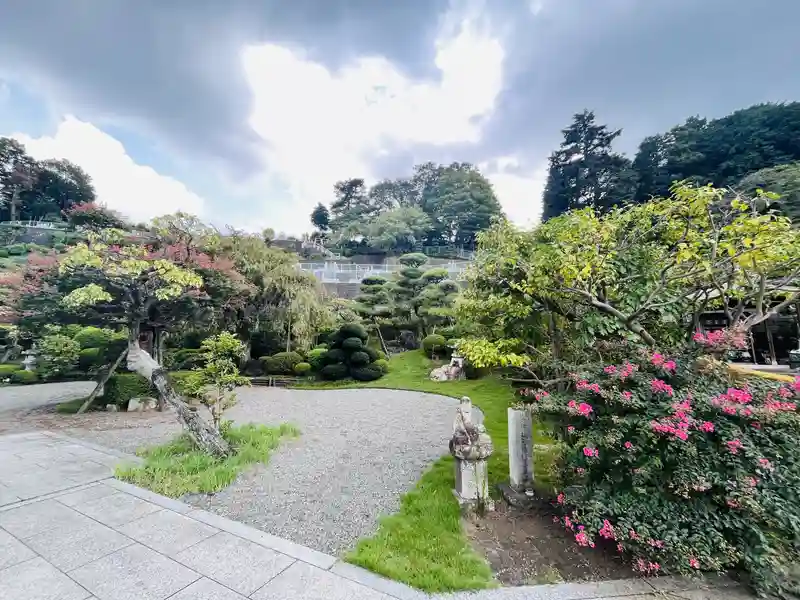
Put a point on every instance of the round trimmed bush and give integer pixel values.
(302, 368)
(286, 362)
(24, 377)
(352, 343)
(187, 358)
(334, 372)
(90, 359)
(367, 373)
(60, 248)
(434, 344)
(93, 337)
(269, 365)
(253, 368)
(372, 353)
(335, 355)
(382, 356)
(353, 330)
(358, 359)
(123, 386)
(316, 358)
(7, 370)
(3, 253)
(16, 249)
(382, 364)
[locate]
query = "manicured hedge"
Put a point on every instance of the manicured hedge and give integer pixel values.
(123, 386)
(24, 377)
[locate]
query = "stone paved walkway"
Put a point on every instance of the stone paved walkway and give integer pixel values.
(69, 531)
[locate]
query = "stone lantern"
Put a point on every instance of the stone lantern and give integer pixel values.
(471, 446)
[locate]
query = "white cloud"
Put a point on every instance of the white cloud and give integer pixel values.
(322, 126)
(135, 190)
(520, 194)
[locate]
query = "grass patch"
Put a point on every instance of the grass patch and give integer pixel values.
(70, 407)
(178, 468)
(423, 544)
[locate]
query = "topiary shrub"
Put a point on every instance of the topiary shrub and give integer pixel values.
(382, 364)
(350, 355)
(434, 345)
(122, 387)
(359, 359)
(24, 377)
(352, 344)
(334, 372)
(16, 249)
(7, 370)
(335, 355)
(316, 358)
(269, 365)
(180, 379)
(91, 359)
(353, 330)
(682, 471)
(93, 337)
(59, 354)
(382, 356)
(61, 248)
(254, 368)
(4, 253)
(187, 358)
(285, 362)
(302, 369)
(366, 373)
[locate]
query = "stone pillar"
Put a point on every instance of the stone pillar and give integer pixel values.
(520, 449)
(471, 447)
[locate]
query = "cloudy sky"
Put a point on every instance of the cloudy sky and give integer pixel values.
(247, 111)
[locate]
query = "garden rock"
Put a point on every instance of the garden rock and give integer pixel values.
(451, 372)
(142, 404)
(112, 408)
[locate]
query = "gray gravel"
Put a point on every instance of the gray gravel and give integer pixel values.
(27, 397)
(358, 452)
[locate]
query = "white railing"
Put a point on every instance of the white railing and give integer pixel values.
(332, 272)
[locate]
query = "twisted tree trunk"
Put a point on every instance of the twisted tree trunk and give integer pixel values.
(202, 434)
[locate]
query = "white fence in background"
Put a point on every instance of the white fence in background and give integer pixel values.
(332, 272)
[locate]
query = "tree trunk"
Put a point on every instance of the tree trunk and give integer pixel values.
(771, 342)
(12, 208)
(380, 337)
(101, 384)
(158, 356)
(202, 434)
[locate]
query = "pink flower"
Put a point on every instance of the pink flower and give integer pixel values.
(571, 429)
(756, 425)
(670, 366)
(583, 540)
(560, 499)
(620, 549)
(698, 337)
(580, 470)
(706, 426)
(568, 523)
(657, 385)
(657, 359)
(590, 452)
(784, 392)
(610, 370)
(628, 445)
(556, 520)
(751, 481)
(734, 446)
(796, 384)
(627, 370)
(765, 464)
(607, 530)
(656, 543)
(627, 395)
(694, 563)
(585, 385)
(582, 409)
(633, 535)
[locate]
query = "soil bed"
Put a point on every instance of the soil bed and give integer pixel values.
(525, 547)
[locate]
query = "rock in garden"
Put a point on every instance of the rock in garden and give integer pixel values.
(141, 404)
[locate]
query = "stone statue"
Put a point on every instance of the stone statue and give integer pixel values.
(451, 372)
(471, 446)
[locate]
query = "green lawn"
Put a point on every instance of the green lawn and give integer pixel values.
(423, 544)
(179, 468)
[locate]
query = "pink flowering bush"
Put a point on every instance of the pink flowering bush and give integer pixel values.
(680, 469)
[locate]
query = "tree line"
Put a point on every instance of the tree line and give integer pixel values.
(438, 205)
(753, 147)
(39, 190)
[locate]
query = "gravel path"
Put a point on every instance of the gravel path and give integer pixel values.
(358, 452)
(27, 397)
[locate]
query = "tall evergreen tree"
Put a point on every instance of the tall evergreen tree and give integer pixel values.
(584, 171)
(321, 217)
